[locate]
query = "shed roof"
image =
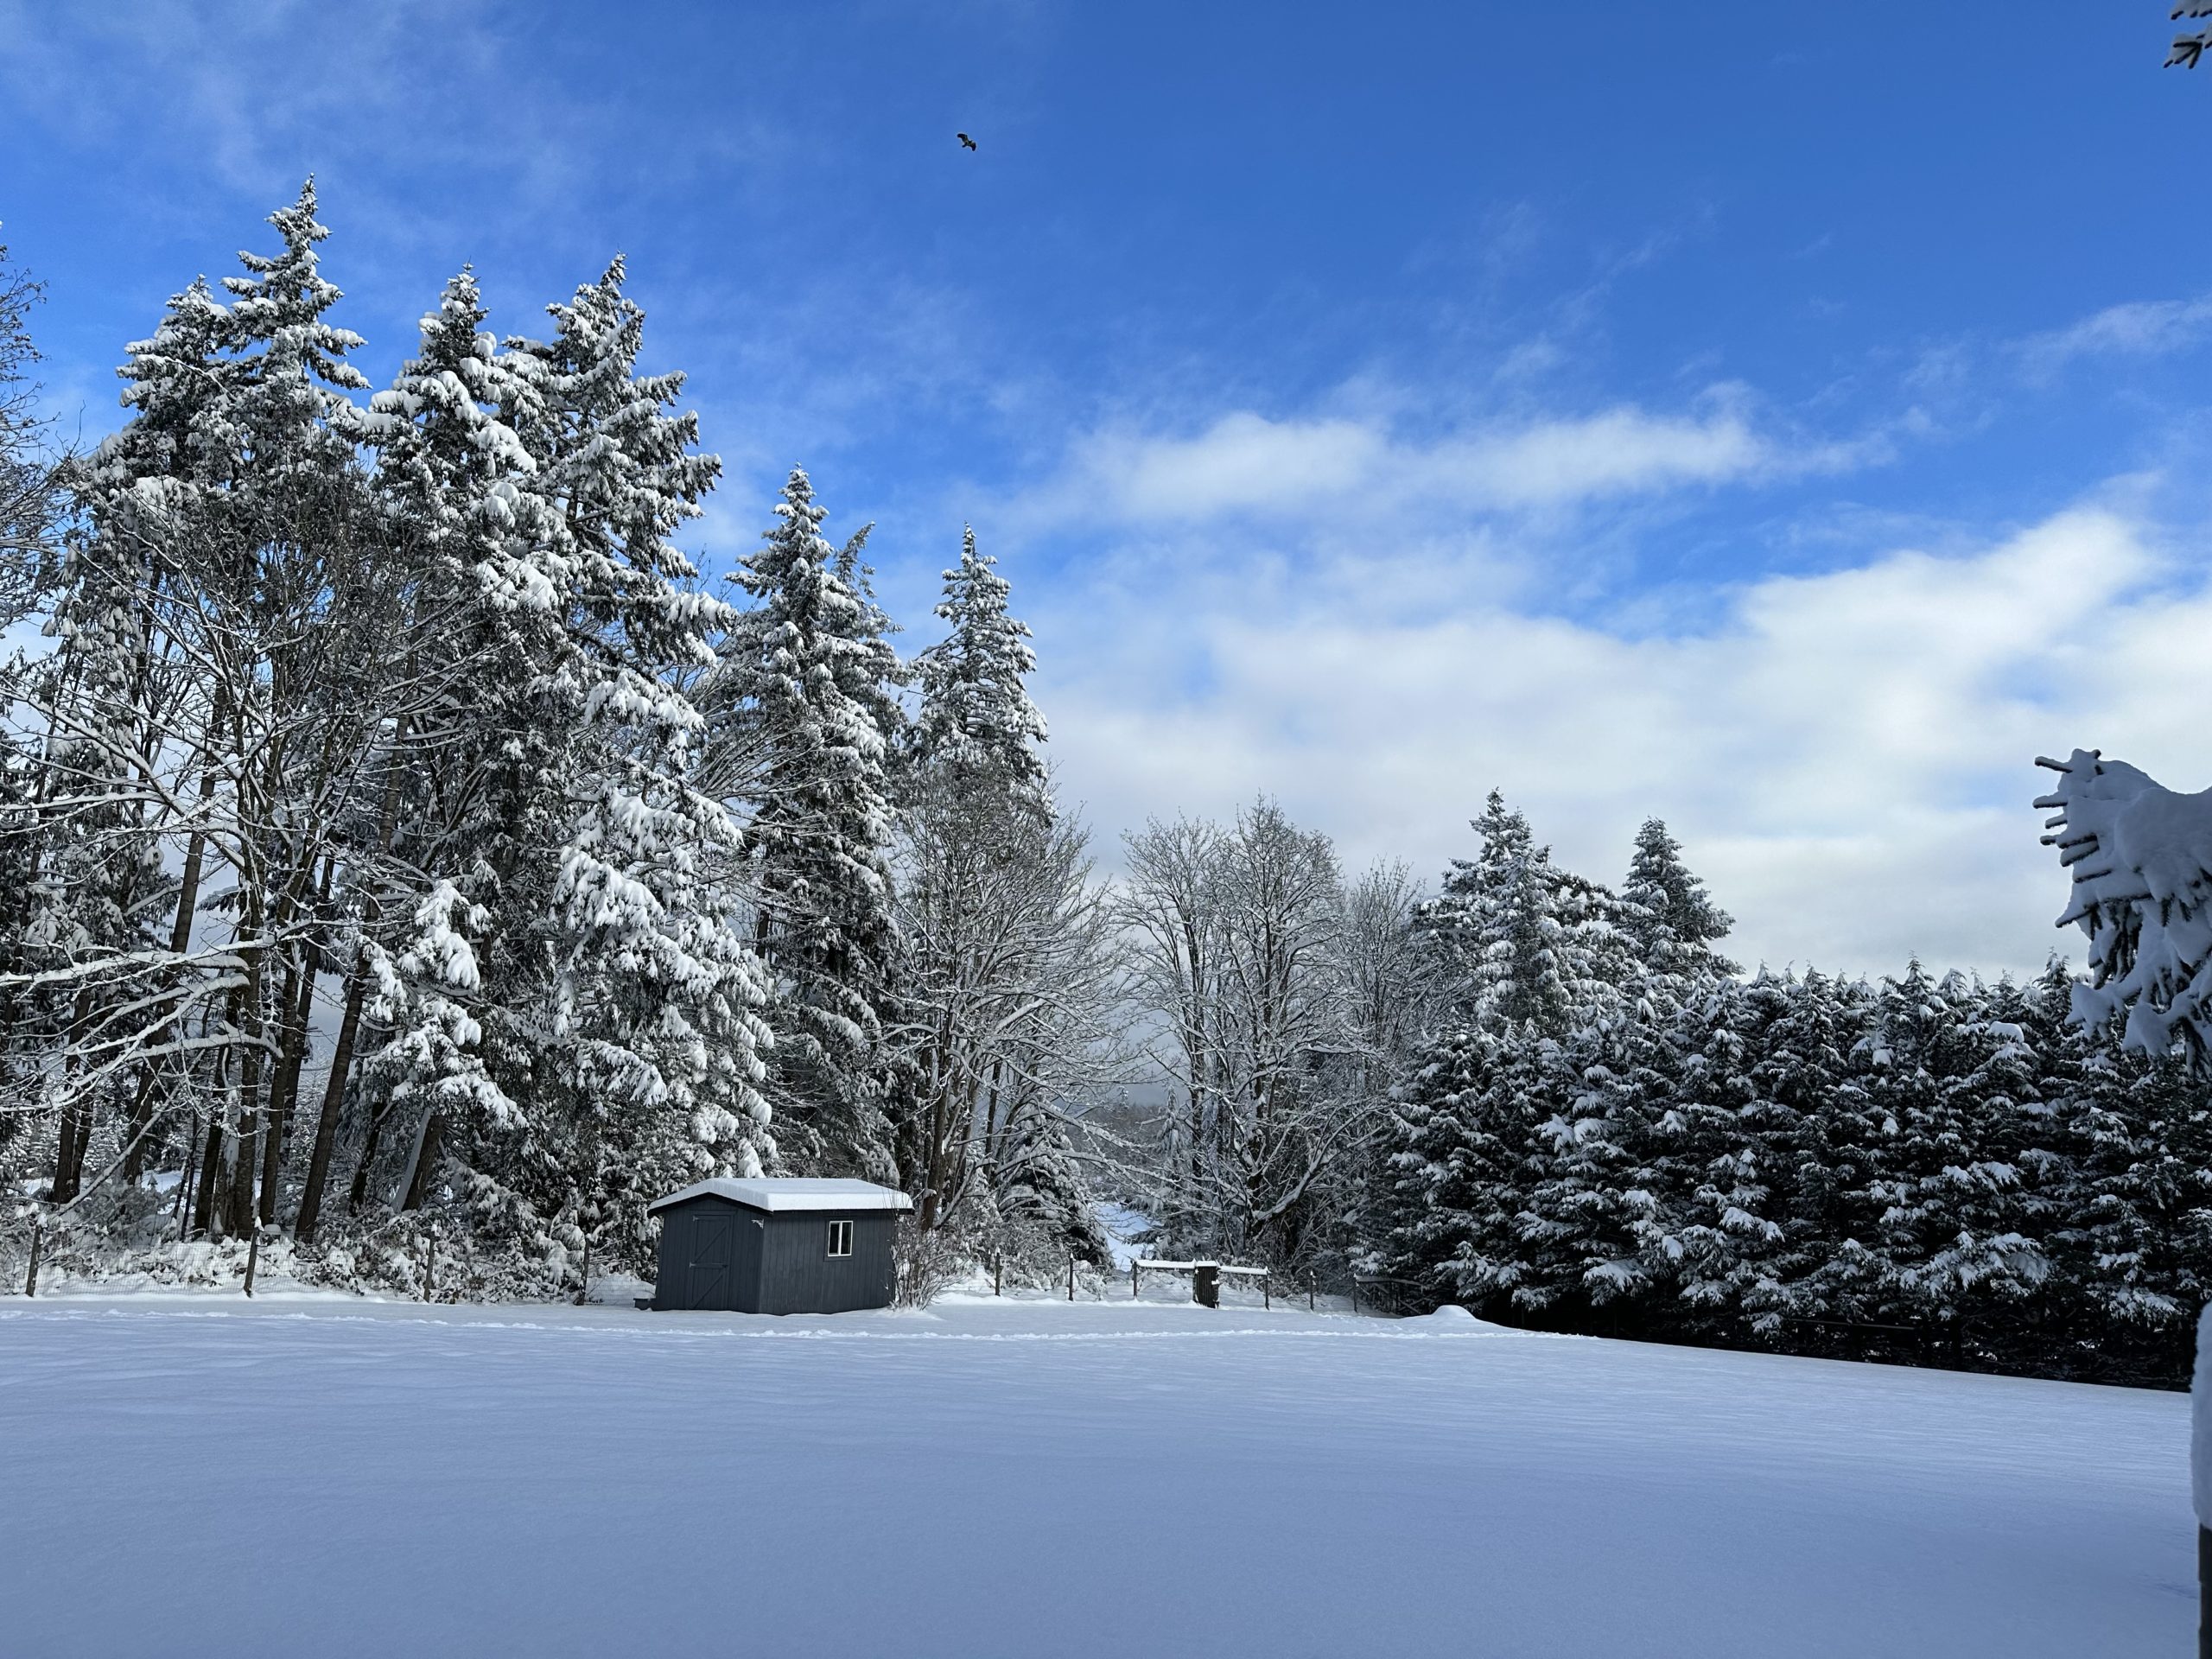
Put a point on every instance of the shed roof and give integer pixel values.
(775, 1194)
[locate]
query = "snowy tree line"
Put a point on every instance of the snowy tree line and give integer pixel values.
(408, 859)
(1558, 1103)
(1608, 1127)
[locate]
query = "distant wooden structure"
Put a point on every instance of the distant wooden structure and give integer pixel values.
(774, 1245)
(1205, 1279)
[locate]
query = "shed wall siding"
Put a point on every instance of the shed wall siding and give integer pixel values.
(799, 1275)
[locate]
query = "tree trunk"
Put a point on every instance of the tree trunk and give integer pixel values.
(181, 1208)
(284, 1086)
(349, 1026)
(295, 1004)
(359, 1189)
(252, 1118)
(64, 1186)
(210, 1159)
(187, 903)
(227, 1180)
(241, 1163)
(76, 1133)
(932, 1192)
(140, 1127)
(326, 1126)
(427, 1141)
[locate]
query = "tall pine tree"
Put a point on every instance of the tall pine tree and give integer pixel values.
(800, 749)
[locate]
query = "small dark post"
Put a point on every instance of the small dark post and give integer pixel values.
(1355, 1293)
(1205, 1285)
(998, 1274)
(252, 1259)
(1071, 1278)
(1309, 1293)
(1132, 1278)
(1267, 1292)
(583, 1290)
(31, 1282)
(430, 1267)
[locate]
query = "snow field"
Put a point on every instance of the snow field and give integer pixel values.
(185, 1474)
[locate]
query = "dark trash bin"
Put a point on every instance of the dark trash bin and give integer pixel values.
(1205, 1284)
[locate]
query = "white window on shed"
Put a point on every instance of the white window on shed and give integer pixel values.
(841, 1238)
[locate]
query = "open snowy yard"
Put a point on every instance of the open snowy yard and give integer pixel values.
(184, 1476)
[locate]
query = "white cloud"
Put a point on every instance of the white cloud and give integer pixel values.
(1848, 757)
(1248, 464)
(213, 71)
(1621, 451)
(2134, 329)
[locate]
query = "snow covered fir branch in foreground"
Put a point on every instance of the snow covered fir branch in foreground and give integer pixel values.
(412, 868)
(2141, 860)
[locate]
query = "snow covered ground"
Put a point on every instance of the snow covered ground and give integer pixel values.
(184, 1474)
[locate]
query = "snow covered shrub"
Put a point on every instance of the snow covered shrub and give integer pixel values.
(14, 1253)
(434, 1255)
(927, 1263)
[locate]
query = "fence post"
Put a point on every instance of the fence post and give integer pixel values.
(1355, 1293)
(252, 1258)
(1132, 1278)
(583, 1292)
(430, 1267)
(1071, 1278)
(998, 1273)
(1267, 1293)
(31, 1283)
(1310, 1303)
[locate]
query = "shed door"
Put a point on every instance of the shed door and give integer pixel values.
(714, 1242)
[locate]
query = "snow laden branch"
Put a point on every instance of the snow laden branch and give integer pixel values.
(2140, 858)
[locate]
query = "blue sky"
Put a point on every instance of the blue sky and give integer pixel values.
(1785, 421)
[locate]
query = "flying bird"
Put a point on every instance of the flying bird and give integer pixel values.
(966, 143)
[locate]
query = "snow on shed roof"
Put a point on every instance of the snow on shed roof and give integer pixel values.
(790, 1192)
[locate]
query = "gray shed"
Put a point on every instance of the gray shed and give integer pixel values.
(775, 1245)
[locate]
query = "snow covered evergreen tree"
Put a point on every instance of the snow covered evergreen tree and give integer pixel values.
(2127, 1193)
(976, 719)
(797, 746)
(1777, 1051)
(1527, 946)
(1671, 923)
(1692, 1199)
(1948, 1179)
(637, 1040)
(1530, 965)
